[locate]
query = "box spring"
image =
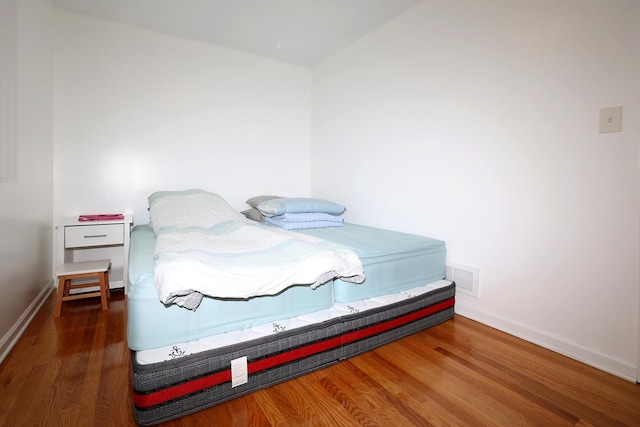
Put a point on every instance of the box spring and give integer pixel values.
(170, 389)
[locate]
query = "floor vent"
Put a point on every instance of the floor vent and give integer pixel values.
(466, 278)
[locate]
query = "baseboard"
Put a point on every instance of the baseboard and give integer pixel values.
(10, 339)
(558, 344)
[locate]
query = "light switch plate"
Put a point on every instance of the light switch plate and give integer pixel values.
(610, 119)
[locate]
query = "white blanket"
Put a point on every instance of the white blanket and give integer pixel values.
(235, 259)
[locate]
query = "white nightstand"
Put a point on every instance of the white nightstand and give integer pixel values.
(78, 241)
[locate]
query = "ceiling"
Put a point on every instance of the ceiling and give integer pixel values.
(302, 32)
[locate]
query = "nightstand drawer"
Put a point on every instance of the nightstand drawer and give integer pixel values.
(93, 235)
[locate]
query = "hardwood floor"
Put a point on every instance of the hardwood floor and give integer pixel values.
(74, 371)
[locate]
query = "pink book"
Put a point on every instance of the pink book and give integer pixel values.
(100, 217)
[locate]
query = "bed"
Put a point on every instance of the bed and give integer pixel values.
(187, 359)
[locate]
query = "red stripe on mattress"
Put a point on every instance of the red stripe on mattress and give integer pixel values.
(170, 393)
(184, 389)
(347, 338)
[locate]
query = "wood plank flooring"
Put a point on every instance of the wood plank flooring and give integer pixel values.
(74, 371)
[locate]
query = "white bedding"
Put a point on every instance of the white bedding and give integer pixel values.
(231, 257)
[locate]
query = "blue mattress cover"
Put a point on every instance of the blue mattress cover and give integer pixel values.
(393, 261)
(151, 324)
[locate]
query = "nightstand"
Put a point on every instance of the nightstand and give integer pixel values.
(78, 241)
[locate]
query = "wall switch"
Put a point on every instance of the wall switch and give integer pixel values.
(610, 119)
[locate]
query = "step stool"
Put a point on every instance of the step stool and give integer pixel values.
(81, 270)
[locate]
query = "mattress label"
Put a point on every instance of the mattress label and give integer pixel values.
(239, 371)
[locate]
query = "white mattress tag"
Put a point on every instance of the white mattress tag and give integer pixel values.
(239, 371)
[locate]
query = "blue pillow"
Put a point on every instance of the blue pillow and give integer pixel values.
(299, 205)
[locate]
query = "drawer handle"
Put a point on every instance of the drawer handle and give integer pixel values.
(90, 236)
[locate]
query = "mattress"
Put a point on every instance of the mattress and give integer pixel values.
(151, 324)
(392, 261)
(177, 380)
(185, 361)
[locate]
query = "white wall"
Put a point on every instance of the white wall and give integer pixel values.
(137, 111)
(474, 123)
(26, 202)
(477, 123)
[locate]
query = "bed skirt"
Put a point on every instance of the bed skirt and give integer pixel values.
(171, 389)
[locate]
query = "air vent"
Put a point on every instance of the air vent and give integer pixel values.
(466, 278)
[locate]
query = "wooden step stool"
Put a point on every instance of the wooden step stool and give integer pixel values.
(79, 270)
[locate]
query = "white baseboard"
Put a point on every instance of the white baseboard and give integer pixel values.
(10, 339)
(561, 345)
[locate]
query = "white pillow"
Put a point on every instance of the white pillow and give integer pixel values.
(190, 208)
